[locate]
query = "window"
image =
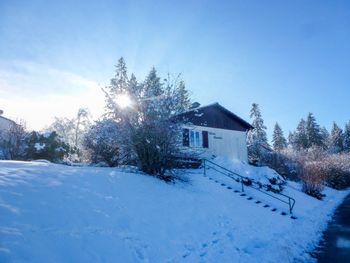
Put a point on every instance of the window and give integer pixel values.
(192, 138)
(195, 139)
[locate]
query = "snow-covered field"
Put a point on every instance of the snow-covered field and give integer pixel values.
(56, 213)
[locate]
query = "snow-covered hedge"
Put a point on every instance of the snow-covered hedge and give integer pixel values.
(48, 146)
(102, 143)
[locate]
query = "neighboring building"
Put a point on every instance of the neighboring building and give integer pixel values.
(5, 124)
(213, 130)
(5, 129)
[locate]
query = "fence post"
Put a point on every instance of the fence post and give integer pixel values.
(290, 207)
(205, 170)
(242, 185)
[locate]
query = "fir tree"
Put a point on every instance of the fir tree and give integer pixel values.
(120, 81)
(336, 139)
(258, 133)
(347, 137)
(134, 88)
(278, 140)
(119, 85)
(314, 136)
(153, 87)
(153, 96)
(257, 138)
(183, 101)
(325, 136)
(300, 139)
(291, 139)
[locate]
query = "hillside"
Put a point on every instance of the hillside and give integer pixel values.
(56, 213)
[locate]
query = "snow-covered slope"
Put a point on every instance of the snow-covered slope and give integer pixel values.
(56, 213)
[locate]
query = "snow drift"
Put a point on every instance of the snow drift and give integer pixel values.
(56, 213)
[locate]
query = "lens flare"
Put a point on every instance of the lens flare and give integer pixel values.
(123, 101)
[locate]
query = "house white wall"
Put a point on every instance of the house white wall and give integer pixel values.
(227, 143)
(5, 124)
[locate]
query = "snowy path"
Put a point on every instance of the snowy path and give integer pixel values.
(335, 246)
(55, 213)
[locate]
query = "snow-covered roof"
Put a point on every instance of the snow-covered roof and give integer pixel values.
(199, 113)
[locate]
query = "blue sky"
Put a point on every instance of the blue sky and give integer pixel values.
(290, 57)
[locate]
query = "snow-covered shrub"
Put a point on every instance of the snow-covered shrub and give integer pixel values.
(102, 143)
(313, 179)
(48, 146)
(282, 163)
(336, 170)
(264, 176)
(156, 146)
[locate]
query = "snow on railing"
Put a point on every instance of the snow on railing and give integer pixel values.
(245, 181)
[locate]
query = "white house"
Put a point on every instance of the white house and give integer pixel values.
(5, 123)
(213, 130)
(5, 129)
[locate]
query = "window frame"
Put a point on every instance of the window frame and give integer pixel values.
(195, 139)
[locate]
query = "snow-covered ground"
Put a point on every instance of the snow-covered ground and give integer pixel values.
(56, 213)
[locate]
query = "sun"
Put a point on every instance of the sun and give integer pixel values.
(123, 101)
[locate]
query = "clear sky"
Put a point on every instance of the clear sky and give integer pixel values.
(290, 57)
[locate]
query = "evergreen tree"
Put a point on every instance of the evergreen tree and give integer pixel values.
(120, 81)
(153, 96)
(153, 87)
(258, 133)
(278, 140)
(291, 139)
(347, 137)
(257, 138)
(134, 89)
(314, 136)
(119, 85)
(336, 139)
(325, 137)
(183, 101)
(300, 139)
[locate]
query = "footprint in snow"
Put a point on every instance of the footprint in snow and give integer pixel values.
(137, 246)
(215, 241)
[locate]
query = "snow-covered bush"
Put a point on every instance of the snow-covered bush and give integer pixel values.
(156, 146)
(336, 170)
(102, 143)
(264, 176)
(48, 146)
(319, 167)
(313, 179)
(283, 163)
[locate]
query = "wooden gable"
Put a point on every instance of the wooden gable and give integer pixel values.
(214, 116)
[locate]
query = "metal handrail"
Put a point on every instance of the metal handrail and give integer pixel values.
(242, 179)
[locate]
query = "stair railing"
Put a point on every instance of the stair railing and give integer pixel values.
(248, 182)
